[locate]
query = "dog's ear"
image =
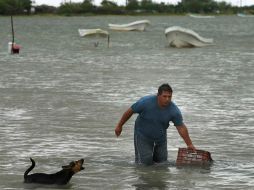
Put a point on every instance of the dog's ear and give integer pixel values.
(71, 164)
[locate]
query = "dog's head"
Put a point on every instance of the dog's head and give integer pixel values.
(75, 166)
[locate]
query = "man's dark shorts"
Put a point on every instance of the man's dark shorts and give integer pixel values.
(148, 151)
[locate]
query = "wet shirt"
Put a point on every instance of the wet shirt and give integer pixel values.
(153, 121)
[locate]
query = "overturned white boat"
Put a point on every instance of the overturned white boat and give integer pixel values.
(139, 25)
(183, 37)
(94, 33)
(244, 15)
(201, 16)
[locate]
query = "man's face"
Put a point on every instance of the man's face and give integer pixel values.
(164, 98)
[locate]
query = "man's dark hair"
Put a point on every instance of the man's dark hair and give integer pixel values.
(164, 87)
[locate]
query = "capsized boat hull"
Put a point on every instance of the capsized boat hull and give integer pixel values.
(201, 16)
(93, 32)
(181, 37)
(133, 26)
(244, 15)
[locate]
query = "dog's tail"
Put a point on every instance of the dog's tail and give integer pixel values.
(30, 168)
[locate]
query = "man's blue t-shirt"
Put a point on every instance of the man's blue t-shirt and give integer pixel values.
(153, 121)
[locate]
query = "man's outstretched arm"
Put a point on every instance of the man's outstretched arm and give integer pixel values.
(125, 117)
(183, 132)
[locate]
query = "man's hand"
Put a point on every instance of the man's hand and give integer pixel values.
(118, 131)
(192, 148)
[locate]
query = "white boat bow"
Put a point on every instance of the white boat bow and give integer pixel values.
(183, 37)
(139, 25)
(94, 33)
(201, 16)
(244, 15)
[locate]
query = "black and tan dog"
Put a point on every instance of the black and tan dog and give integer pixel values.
(60, 178)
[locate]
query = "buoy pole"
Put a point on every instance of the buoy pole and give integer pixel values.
(108, 40)
(12, 47)
(12, 29)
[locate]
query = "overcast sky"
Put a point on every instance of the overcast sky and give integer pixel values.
(122, 2)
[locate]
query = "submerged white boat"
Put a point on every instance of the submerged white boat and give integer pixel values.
(183, 37)
(139, 25)
(94, 33)
(244, 15)
(201, 16)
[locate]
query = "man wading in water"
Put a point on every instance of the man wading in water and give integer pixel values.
(150, 134)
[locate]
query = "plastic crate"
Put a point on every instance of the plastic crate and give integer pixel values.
(187, 157)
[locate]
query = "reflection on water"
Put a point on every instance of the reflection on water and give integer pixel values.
(154, 177)
(61, 98)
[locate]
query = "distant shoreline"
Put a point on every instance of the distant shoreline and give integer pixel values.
(134, 15)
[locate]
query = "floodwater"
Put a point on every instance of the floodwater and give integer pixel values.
(62, 97)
